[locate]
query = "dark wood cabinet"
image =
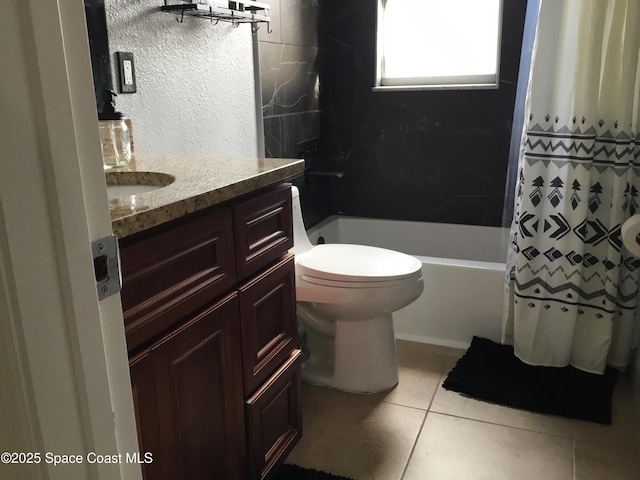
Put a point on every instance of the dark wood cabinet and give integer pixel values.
(211, 329)
(269, 328)
(197, 372)
(263, 230)
(170, 273)
(274, 418)
(188, 399)
(146, 411)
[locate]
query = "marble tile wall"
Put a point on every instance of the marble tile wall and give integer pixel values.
(438, 156)
(290, 96)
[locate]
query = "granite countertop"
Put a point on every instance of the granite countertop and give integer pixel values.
(200, 182)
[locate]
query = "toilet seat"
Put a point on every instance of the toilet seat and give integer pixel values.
(384, 284)
(357, 266)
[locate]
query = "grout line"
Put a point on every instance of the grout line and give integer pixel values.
(389, 402)
(441, 379)
(291, 114)
(404, 406)
(502, 425)
(443, 374)
(433, 395)
(570, 435)
(573, 457)
(413, 447)
(426, 414)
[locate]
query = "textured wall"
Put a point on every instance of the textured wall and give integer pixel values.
(196, 83)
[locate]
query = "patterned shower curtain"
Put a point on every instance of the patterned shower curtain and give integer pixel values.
(575, 287)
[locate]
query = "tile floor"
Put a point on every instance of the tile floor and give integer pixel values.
(419, 431)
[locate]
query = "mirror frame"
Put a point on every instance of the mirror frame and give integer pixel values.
(99, 46)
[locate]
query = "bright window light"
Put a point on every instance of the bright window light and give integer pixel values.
(438, 42)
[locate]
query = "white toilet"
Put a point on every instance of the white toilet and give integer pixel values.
(346, 295)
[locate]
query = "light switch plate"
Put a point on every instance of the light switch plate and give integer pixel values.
(126, 72)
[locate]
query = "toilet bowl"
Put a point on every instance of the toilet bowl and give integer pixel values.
(346, 295)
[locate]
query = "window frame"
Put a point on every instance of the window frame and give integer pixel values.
(444, 85)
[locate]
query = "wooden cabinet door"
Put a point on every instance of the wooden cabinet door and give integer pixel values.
(262, 229)
(146, 410)
(198, 381)
(170, 273)
(274, 419)
(269, 326)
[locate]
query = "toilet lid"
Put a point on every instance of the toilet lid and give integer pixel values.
(356, 263)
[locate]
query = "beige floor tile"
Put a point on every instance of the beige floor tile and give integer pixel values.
(456, 354)
(420, 368)
(623, 428)
(603, 459)
(610, 451)
(452, 403)
(357, 436)
(451, 448)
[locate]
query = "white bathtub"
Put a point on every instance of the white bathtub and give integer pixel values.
(463, 268)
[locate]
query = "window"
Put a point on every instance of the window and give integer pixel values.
(438, 44)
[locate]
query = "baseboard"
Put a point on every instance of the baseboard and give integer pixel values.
(432, 341)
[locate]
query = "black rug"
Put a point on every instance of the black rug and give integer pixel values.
(294, 472)
(490, 371)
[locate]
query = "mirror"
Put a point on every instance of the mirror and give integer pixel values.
(99, 46)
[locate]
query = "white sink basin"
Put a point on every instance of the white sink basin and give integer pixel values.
(118, 191)
(125, 184)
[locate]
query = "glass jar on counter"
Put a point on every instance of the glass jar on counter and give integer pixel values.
(115, 137)
(116, 143)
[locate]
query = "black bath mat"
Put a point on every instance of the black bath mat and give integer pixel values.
(294, 472)
(490, 371)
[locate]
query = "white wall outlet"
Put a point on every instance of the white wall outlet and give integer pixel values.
(126, 72)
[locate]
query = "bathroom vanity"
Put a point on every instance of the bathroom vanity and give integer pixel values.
(209, 309)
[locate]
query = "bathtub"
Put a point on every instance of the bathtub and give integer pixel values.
(463, 268)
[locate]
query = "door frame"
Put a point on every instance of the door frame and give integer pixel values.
(65, 385)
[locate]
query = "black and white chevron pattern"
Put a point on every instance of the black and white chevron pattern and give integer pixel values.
(577, 185)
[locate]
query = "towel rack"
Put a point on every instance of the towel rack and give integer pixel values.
(234, 12)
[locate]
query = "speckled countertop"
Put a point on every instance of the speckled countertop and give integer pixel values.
(200, 182)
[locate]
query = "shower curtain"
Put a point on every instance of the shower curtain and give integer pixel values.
(575, 287)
